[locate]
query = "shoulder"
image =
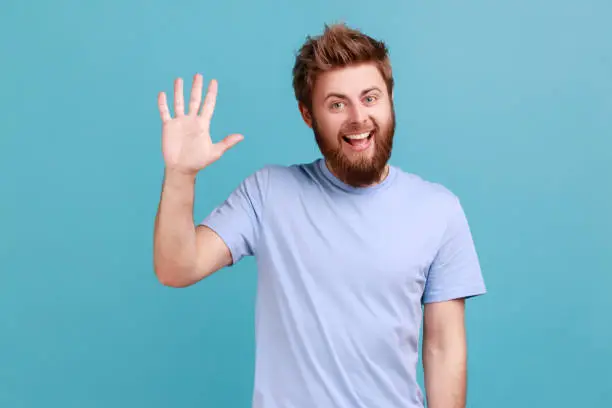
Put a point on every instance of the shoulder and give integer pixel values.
(279, 174)
(271, 172)
(434, 195)
(274, 176)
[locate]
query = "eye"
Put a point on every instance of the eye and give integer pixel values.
(371, 99)
(337, 105)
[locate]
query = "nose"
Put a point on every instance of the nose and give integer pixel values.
(358, 114)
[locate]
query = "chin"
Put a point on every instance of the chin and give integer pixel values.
(358, 159)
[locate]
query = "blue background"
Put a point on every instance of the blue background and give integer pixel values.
(509, 104)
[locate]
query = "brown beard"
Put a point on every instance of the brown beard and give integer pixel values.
(364, 171)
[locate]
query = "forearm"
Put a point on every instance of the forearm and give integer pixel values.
(445, 374)
(174, 235)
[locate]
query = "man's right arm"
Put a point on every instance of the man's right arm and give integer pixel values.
(184, 253)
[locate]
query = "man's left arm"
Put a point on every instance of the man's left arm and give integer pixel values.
(445, 354)
(453, 277)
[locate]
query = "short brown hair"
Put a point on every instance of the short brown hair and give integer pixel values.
(337, 47)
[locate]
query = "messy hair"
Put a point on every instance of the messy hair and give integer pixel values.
(339, 46)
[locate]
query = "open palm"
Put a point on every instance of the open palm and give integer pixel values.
(186, 142)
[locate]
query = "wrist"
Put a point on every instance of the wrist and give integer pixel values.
(179, 178)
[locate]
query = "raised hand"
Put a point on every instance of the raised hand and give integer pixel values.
(186, 143)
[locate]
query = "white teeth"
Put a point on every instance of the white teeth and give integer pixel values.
(359, 136)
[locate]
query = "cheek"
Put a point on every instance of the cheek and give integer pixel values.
(382, 117)
(330, 126)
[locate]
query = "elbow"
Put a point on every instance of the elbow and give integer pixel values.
(433, 352)
(452, 351)
(172, 277)
(445, 344)
(170, 282)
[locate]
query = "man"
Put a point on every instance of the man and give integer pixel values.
(352, 253)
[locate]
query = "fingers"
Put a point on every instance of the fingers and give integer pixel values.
(210, 101)
(195, 98)
(162, 103)
(179, 104)
(230, 141)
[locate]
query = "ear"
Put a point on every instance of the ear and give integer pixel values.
(305, 114)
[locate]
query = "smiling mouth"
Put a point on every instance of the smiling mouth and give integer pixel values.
(360, 141)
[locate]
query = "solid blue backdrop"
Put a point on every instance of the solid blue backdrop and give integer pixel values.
(509, 104)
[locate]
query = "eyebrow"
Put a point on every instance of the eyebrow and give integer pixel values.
(342, 96)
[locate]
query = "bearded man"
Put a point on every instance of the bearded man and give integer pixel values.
(353, 253)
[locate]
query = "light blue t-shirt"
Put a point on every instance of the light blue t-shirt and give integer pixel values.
(343, 273)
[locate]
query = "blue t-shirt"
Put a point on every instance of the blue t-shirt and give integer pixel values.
(343, 273)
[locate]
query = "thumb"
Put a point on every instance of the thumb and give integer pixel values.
(230, 141)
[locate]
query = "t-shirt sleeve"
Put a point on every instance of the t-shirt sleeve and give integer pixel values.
(455, 271)
(238, 219)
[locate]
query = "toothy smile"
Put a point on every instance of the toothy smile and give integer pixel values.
(360, 141)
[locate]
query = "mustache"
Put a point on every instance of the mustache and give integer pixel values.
(358, 128)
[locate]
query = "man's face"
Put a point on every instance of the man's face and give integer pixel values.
(353, 121)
